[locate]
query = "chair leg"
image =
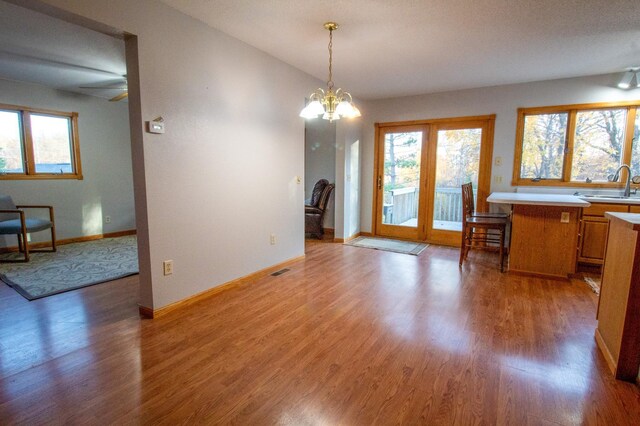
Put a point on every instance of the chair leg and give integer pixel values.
(20, 249)
(462, 246)
(25, 245)
(53, 238)
(502, 232)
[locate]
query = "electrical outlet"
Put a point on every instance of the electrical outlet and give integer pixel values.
(497, 179)
(107, 219)
(273, 239)
(564, 217)
(498, 161)
(167, 267)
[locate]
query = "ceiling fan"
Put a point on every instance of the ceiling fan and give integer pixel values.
(120, 86)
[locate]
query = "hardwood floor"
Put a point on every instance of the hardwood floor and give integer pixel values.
(348, 336)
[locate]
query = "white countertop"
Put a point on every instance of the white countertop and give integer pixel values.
(631, 219)
(537, 199)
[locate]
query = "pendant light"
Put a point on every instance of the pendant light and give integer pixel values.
(330, 104)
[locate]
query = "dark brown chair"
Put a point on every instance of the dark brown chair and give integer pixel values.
(481, 232)
(315, 210)
(14, 222)
(467, 192)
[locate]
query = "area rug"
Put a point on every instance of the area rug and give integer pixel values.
(405, 247)
(72, 266)
(593, 283)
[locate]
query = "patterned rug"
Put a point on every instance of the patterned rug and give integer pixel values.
(72, 266)
(405, 247)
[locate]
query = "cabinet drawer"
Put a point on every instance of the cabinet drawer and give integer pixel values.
(634, 209)
(598, 209)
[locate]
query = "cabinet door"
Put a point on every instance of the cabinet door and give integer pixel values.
(593, 239)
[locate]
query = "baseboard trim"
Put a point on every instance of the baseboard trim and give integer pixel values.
(605, 352)
(155, 313)
(82, 239)
(345, 240)
(329, 230)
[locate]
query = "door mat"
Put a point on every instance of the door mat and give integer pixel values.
(396, 246)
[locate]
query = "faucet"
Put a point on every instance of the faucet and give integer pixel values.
(627, 188)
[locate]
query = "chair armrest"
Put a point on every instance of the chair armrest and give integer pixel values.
(39, 207)
(35, 207)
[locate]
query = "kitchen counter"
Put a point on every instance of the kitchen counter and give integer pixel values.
(610, 200)
(538, 199)
(544, 232)
(618, 331)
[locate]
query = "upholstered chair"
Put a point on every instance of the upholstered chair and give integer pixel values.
(14, 222)
(315, 210)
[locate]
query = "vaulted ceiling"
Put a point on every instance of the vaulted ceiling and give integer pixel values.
(383, 48)
(387, 48)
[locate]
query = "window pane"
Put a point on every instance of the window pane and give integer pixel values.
(635, 155)
(401, 178)
(543, 146)
(457, 162)
(11, 155)
(51, 143)
(598, 145)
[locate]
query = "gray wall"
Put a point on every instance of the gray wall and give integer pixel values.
(320, 160)
(105, 152)
(500, 100)
(224, 175)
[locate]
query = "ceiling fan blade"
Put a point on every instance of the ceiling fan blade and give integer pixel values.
(103, 88)
(120, 97)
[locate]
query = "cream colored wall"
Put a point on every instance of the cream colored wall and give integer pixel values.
(500, 100)
(223, 176)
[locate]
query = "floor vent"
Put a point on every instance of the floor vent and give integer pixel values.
(280, 272)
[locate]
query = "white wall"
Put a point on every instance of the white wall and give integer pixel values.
(105, 152)
(320, 160)
(348, 135)
(501, 100)
(223, 176)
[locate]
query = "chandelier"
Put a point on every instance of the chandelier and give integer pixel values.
(330, 104)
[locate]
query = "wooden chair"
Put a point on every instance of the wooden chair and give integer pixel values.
(14, 222)
(477, 228)
(467, 191)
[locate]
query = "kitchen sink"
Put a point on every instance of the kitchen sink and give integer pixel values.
(604, 196)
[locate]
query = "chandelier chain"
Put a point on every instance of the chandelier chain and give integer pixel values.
(330, 82)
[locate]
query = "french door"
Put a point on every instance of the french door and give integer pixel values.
(419, 169)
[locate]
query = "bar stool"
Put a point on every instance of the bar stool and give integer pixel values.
(476, 227)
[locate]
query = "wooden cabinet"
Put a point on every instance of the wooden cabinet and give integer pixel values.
(594, 228)
(618, 332)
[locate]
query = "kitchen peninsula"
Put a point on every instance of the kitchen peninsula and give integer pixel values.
(544, 232)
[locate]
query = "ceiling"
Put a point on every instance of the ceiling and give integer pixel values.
(383, 48)
(387, 48)
(39, 49)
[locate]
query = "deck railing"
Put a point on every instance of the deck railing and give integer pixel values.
(402, 205)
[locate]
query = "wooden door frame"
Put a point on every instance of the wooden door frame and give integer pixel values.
(487, 123)
(401, 232)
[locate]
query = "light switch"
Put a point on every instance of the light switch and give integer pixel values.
(564, 217)
(155, 127)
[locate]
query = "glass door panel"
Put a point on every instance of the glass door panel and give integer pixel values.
(402, 152)
(457, 162)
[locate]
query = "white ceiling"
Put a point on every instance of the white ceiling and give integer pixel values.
(383, 48)
(387, 48)
(39, 49)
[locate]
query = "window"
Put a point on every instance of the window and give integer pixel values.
(576, 145)
(38, 144)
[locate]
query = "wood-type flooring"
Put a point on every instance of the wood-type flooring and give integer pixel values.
(349, 336)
